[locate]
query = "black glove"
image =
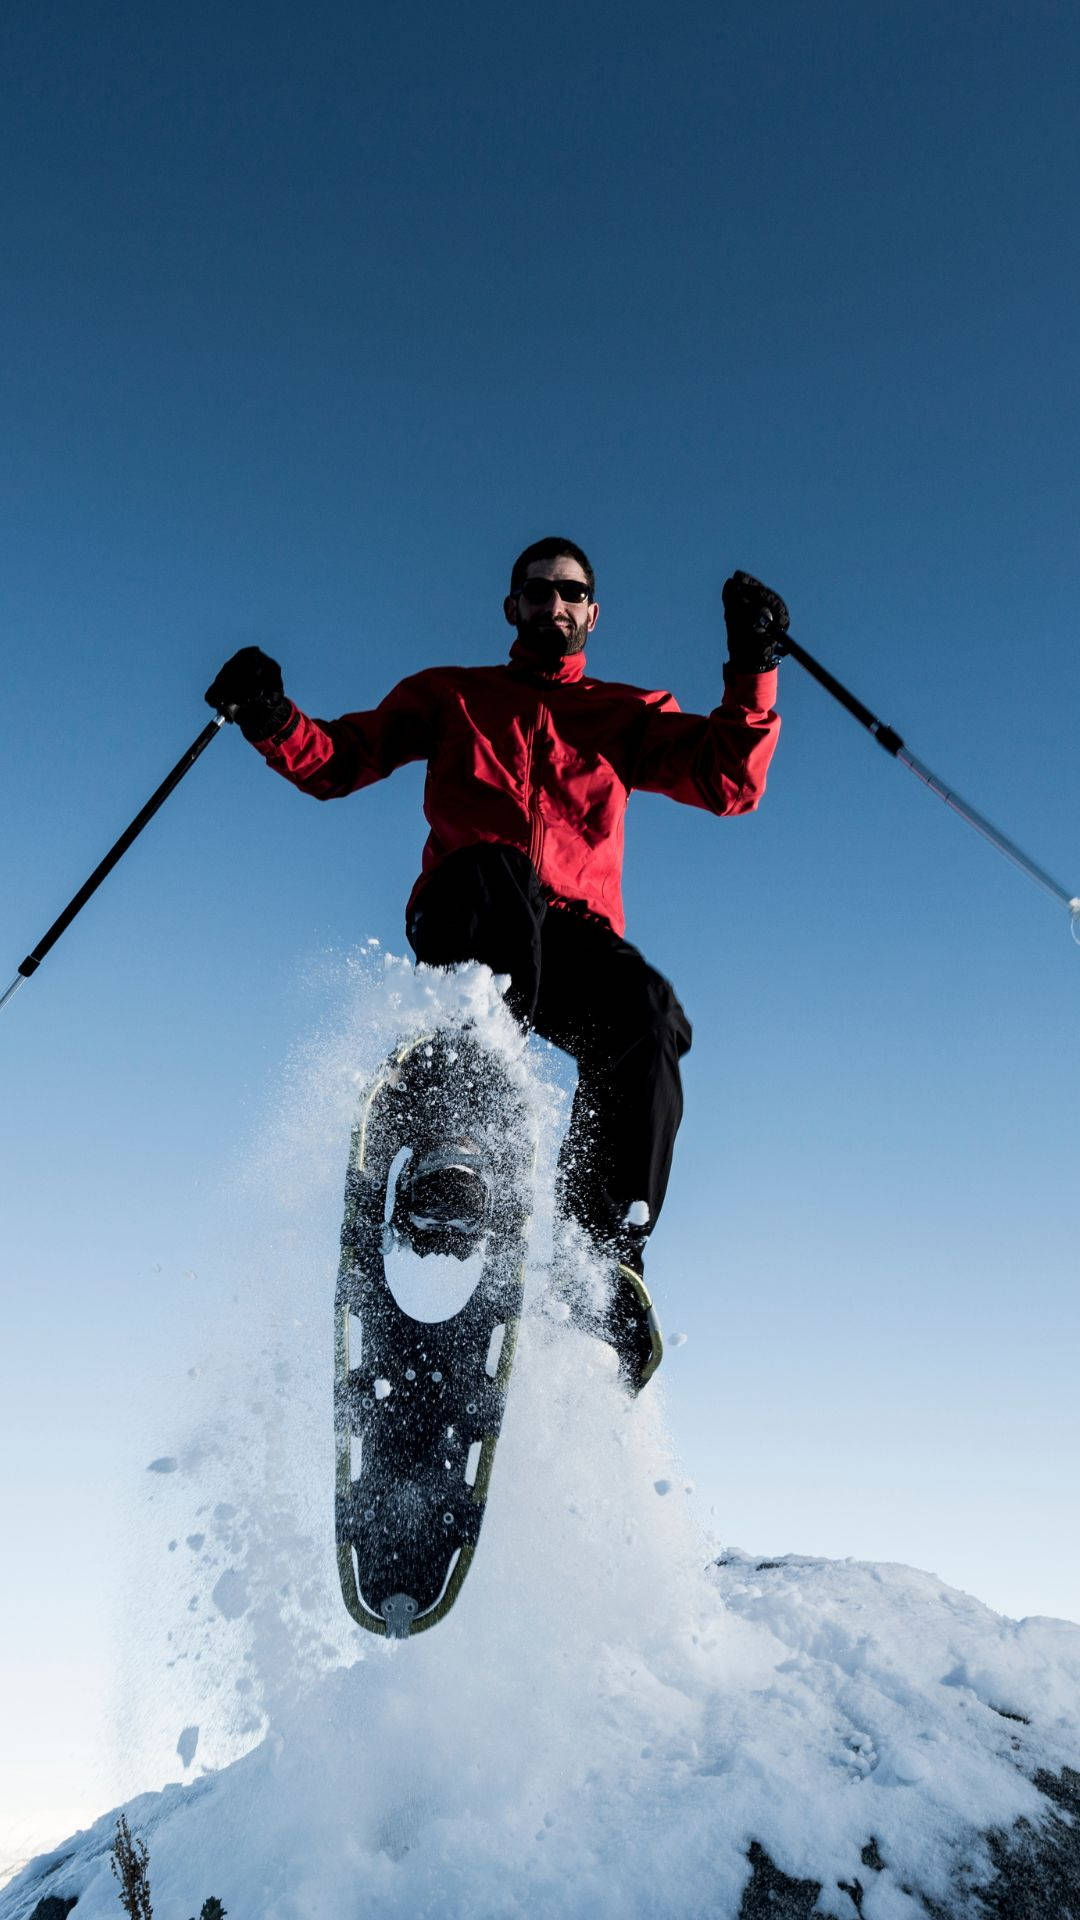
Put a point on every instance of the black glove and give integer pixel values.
(756, 620)
(250, 685)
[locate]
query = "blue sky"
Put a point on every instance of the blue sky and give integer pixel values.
(312, 320)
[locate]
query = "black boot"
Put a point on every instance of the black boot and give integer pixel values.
(632, 1328)
(444, 1199)
(619, 1312)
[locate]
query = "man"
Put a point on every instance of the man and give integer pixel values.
(530, 766)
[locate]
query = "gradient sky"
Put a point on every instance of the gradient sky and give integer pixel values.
(314, 317)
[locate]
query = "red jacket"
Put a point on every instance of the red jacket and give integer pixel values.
(540, 758)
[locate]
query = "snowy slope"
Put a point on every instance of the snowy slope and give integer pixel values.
(610, 1722)
(624, 1762)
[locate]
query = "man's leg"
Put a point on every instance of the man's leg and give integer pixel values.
(601, 1001)
(484, 903)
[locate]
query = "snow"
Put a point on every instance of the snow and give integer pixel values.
(612, 1711)
(603, 1725)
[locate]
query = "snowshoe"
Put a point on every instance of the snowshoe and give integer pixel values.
(632, 1328)
(440, 1162)
(601, 1288)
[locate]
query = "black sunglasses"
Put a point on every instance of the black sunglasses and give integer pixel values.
(571, 592)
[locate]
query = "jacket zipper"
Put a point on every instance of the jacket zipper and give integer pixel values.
(536, 824)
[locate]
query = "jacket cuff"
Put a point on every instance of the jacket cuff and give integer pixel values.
(754, 690)
(280, 733)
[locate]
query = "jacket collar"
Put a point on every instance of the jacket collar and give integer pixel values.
(527, 664)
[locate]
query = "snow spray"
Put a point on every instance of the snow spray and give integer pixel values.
(614, 1715)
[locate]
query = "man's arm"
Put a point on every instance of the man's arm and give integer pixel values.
(721, 762)
(326, 758)
(718, 761)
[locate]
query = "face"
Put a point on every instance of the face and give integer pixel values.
(553, 626)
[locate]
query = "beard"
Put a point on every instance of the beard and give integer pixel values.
(555, 638)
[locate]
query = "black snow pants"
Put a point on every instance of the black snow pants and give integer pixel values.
(575, 982)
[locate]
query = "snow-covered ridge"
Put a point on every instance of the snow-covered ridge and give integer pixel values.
(611, 1722)
(833, 1713)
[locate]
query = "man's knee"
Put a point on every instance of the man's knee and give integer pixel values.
(483, 903)
(645, 1015)
(667, 1017)
(471, 898)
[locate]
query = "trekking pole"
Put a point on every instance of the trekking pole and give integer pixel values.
(78, 901)
(888, 738)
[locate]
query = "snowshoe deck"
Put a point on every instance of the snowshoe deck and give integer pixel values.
(418, 1404)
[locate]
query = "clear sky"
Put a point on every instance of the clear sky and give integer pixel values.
(314, 317)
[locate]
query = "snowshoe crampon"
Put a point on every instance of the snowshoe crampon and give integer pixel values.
(440, 1162)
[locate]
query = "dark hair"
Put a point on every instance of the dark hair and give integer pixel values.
(553, 548)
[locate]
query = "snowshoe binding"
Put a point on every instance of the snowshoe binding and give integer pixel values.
(443, 1200)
